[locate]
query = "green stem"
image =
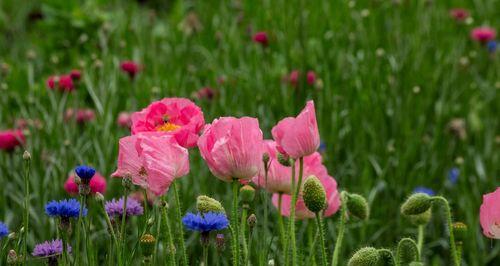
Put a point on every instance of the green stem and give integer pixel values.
(450, 228)
(65, 246)
(312, 248)
(247, 263)
(110, 226)
(205, 255)
(295, 195)
(244, 213)
(124, 221)
(459, 253)
(26, 208)
(78, 257)
(234, 222)
(340, 236)
(281, 225)
(168, 235)
(180, 228)
(292, 214)
(321, 230)
(233, 245)
(420, 243)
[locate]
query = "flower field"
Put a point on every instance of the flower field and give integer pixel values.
(149, 132)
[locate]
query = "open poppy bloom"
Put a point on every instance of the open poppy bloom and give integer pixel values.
(489, 214)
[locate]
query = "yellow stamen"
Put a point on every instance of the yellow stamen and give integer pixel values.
(167, 127)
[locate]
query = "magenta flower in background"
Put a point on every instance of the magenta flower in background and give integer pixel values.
(114, 208)
(152, 161)
(293, 78)
(124, 119)
(261, 38)
(81, 116)
(131, 68)
(232, 147)
(311, 77)
(51, 82)
(459, 14)
(205, 93)
(489, 214)
(179, 117)
(10, 139)
(66, 83)
(97, 184)
(483, 34)
(298, 137)
(75, 74)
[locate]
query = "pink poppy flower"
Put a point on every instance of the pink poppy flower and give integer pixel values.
(311, 77)
(483, 34)
(232, 147)
(139, 196)
(179, 117)
(131, 68)
(10, 139)
(75, 74)
(261, 38)
(459, 14)
(124, 120)
(298, 137)
(293, 78)
(301, 211)
(51, 82)
(152, 161)
(81, 116)
(279, 176)
(489, 214)
(97, 184)
(66, 83)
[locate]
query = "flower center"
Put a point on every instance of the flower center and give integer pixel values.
(167, 126)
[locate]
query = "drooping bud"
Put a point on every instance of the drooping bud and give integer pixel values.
(284, 160)
(147, 242)
(416, 204)
(386, 258)
(220, 242)
(460, 231)
(314, 194)
(26, 156)
(247, 194)
(251, 221)
(358, 206)
(99, 197)
(206, 204)
(367, 256)
(420, 219)
(407, 251)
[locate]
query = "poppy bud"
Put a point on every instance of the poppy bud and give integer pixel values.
(99, 197)
(460, 231)
(314, 194)
(367, 256)
(206, 204)
(147, 244)
(416, 204)
(26, 156)
(420, 219)
(220, 242)
(284, 160)
(12, 258)
(247, 194)
(357, 206)
(407, 251)
(251, 221)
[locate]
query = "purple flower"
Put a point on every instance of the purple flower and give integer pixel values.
(115, 207)
(49, 248)
(425, 190)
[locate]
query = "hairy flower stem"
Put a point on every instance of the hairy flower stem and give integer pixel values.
(111, 230)
(449, 221)
(420, 243)
(295, 195)
(321, 230)
(244, 213)
(168, 235)
(234, 222)
(281, 226)
(79, 224)
(180, 230)
(340, 236)
(65, 247)
(247, 262)
(26, 207)
(123, 238)
(205, 255)
(459, 252)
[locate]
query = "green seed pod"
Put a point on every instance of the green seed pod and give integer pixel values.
(358, 206)
(416, 204)
(420, 219)
(460, 231)
(314, 194)
(283, 160)
(247, 194)
(206, 204)
(407, 251)
(367, 256)
(147, 244)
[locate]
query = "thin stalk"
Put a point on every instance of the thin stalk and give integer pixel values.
(321, 230)
(340, 236)
(180, 230)
(158, 228)
(233, 245)
(450, 229)
(78, 257)
(205, 255)
(292, 214)
(168, 235)
(124, 221)
(312, 248)
(247, 262)
(65, 246)
(420, 242)
(282, 231)
(26, 207)
(146, 203)
(244, 213)
(234, 222)
(459, 252)
(295, 195)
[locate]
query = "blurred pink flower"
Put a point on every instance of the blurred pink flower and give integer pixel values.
(311, 77)
(459, 14)
(11, 138)
(22, 123)
(301, 211)
(179, 117)
(124, 120)
(232, 147)
(261, 38)
(152, 161)
(279, 176)
(66, 83)
(293, 78)
(483, 34)
(139, 196)
(81, 116)
(75, 74)
(51, 82)
(205, 93)
(489, 214)
(131, 68)
(97, 184)
(298, 137)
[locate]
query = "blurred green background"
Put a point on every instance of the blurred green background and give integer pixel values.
(391, 76)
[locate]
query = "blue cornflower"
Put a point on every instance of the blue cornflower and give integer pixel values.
(64, 208)
(425, 190)
(322, 147)
(85, 172)
(4, 231)
(207, 222)
(453, 175)
(492, 46)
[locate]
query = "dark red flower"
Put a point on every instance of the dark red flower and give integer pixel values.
(293, 78)
(459, 14)
(66, 83)
(10, 139)
(131, 68)
(75, 74)
(51, 82)
(311, 77)
(261, 37)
